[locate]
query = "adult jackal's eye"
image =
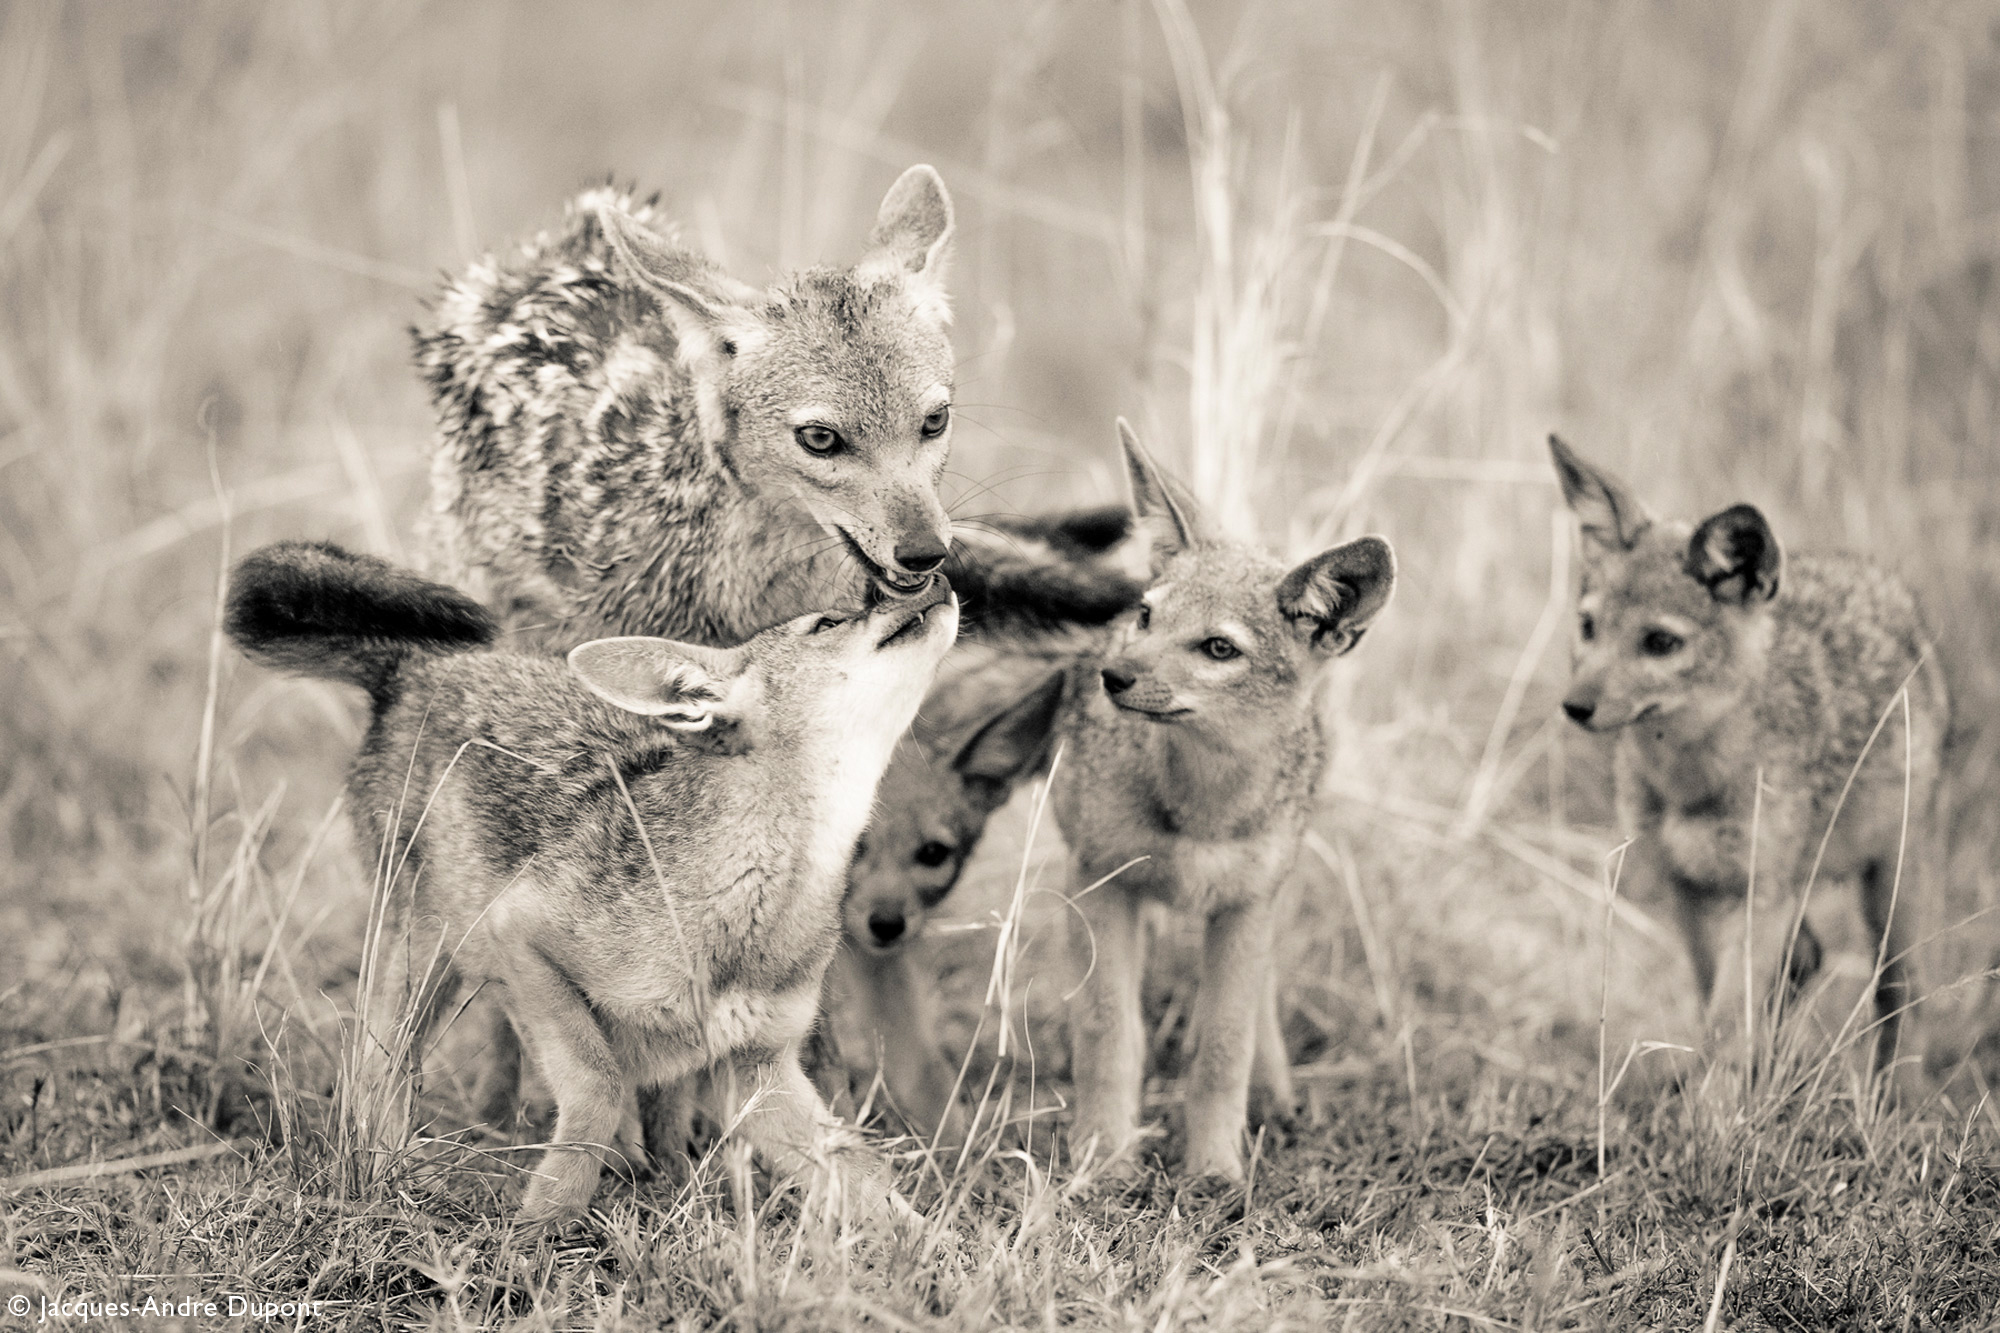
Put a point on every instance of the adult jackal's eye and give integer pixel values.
(1586, 628)
(1659, 643)
(821, 440)
(826, 622)
(933, 854)
(1221, 649)
(935, 423)
(1145, 616)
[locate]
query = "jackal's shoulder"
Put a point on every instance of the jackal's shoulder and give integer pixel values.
(1848, 637)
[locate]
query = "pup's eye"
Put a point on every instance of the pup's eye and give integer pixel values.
(935, 423)
(933, 854)
(820, 440)
(1587, 628)
(1660, 643)
(1145, 615)
(826, 622)
(1220, 649)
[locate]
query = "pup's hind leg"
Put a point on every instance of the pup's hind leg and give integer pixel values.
(1235, 987)
(498, 1093)
(1271, 1064)
(555, 1021)
(1889, 933)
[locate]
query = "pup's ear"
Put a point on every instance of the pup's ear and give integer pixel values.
(1605, 507)
(1162, 508)
(1006, 748)
(710, 329)
(1337, 593)
(684, 685)
(912, 236)
(1736, 556)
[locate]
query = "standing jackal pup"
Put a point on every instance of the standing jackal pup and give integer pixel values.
(1716, 660)
(1195, 753)
(497, 783)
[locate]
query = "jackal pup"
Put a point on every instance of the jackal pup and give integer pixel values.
(1192, 762)
(1717, 661)
(497, 784)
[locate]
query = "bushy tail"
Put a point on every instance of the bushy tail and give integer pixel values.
(1025, 577)
(313, 608)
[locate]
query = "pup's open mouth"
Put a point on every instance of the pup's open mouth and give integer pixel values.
(882, 584)
(907, 618)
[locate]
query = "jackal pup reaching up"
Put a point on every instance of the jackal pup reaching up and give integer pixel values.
(496, 785)
(1717, 661)
(1192, 761)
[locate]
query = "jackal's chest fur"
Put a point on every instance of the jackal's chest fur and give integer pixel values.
(1699, 803)
(1209, 827)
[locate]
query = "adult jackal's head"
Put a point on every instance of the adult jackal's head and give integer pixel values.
(1673, 619)
(831, 389)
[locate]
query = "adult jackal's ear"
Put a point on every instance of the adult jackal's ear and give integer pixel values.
(703, 308)
(1736, 556)
(912, 237)
(1605, 507)
(1336, 594)
(1161, 506)
(684, 685)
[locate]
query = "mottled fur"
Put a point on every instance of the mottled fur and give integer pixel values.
(1194, 753)
(495, 786)
(619, 449)
(1717, 660)
(623, 429)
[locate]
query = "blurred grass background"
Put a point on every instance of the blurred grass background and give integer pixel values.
(1736, 252)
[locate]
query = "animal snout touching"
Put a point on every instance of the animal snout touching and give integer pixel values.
(886, 924)
(1118, 679)
(920, 556)
(1580, 710)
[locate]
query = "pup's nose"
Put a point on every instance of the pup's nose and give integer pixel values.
(1117, 680)
(886, 924)
(1579, 712)
(920, 557)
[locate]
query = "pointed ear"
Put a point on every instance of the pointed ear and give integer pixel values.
(710, 330)
(1003, 751)
(913, 230)
(1736, 556)
(1605, 507)
(684, 685)
(1161, 506)
(1337, 593)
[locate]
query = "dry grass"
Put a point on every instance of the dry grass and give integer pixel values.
(1347, 265)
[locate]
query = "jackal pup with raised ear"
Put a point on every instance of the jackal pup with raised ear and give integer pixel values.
(1717, 661)
(1193, 755)
(504, 789)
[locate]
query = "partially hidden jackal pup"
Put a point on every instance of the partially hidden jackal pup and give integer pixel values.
(1718, 662)
(1192, 761)
(985, 728)
(625, 954)
(931, 811)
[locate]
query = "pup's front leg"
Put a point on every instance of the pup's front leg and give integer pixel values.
(554, 1020)
(1235, 981)
(1107, 1030)
(882, 1016)
(789, 1128)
